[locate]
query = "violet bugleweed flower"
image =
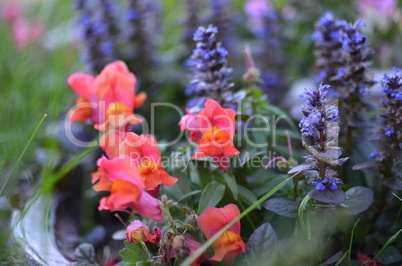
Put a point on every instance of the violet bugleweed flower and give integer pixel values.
(343, 57)
(191, 23)
(320, 132)
(389, 154)
(211, 75)
(221, 17)
(95, 25)
(142, 27)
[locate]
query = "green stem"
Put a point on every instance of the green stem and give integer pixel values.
(207, 244)
(247, 216)
(351, 241)
(23, 152)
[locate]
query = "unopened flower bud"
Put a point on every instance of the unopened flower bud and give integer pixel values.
(283, 165)
(179, 246)
(171, 204)
(192, 220)
(164, 199)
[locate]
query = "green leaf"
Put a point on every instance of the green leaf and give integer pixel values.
(282, 206)
(231, 181)
(189, 194)
(358, 199)
(334, 258)
(389, 255)
(211, 195)
(246, 157)
(248, 195)
(277, 111)
(261, 248)
(331, 196)
(179, 189)
(390, 240)
(132, 253)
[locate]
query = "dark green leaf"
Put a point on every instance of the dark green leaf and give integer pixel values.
(231, 181)
(245, 157)
(394, 183)
(277, 111)
(333, 259)
(389, 255)
(331, 196)
(282, 206)
(261, 247)
(248, 195)
(211, 195)
(358, 199)
(365, 165)
(132, 253)
(85, 254)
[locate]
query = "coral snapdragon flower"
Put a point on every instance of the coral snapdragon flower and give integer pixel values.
(143, 153)
(213, 128)
(126, 188)
(108, 99)
(229, 244)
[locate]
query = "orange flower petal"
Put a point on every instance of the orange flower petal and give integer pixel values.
(123, 194)
(139, 99)
(100, 181)
(228, 246)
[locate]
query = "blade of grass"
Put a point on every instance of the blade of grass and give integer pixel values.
(390, 240)
(52, 179)
(300, 212)
(23, 152)
(351, 240)
(342, 258)
(207, 244)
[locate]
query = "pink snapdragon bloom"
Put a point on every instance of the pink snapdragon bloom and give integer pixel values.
(383, 7)
(213, 130)
(137, 231)
(229, 244)
(189, 122)
(364, 260)
(10, 12)
(108, 100)
(379, 13)
(142, 152)
(256, 10)
(126, 188)
(27, 32)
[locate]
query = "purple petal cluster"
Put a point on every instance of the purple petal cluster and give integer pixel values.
(209, 65)
(142, 24)
(221, 17)
(389, 151)
(317, 115)
(343, 55)
(95, 31)
(320, 132)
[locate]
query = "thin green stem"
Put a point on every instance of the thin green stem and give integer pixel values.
(247, 216)
(301, 211)
(207, 244)
(23, 152)
(351, 240)
(390, 240)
